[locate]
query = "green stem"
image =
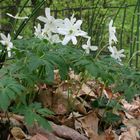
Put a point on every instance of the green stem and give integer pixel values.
(101, 51)
(133, 56)
(24, 23)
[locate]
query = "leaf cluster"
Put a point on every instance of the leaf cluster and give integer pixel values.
(34, 63)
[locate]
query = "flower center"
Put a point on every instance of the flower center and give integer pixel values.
(71, 32)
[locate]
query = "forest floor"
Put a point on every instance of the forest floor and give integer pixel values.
(77, 114)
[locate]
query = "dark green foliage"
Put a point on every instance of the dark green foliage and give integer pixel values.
(34, 113)
(111, 118)
(10, 89)
(35, 62)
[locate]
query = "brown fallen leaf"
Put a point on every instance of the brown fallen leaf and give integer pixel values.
(74, 76)
(130, 107)
(39, 137)
(90, 122)
(129, 135)
(132, 122)
(128, 115)
(67, 133)
(61, 102)
(90, 125)
(57, 102)
(18, 134)
(111, 135)
(108, 93)
(60, 132)
(87, 90)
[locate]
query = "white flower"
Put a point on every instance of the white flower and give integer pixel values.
(38, 32)
(51, 24)
(53, 38)
(71, 29)
(48, 16)
(48, 29)
(6, 41)
(16, 16)
(115, 53)
(19, 37)
(87, 47)
(112, 31)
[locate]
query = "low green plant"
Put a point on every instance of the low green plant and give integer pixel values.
(35, 59)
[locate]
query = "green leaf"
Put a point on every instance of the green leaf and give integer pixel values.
(92, 69)
(45, 112)
(43, 122)
(10, 93)
(4, 101)
(59, 63)
(129, 93)
(34, 62)
(95, 104)
(111, 118)
(30, 117)
(34, 113)
(49, 78)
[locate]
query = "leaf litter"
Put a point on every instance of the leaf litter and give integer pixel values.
(75, 118)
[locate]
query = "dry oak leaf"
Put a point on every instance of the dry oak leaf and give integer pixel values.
(90, 125)
(87, 90)
(60, 102)
(108, 93)
(130, 107)
(39, 137)
(132, 122)
(60, 132)
(18, 134)
(67, 133)
(110, 134)
(74, 76)
(131, 134)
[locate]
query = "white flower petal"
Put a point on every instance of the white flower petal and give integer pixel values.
(10, 15)
(88, 42)
(66, 40)
(115, 53)
(47, 13)
(3, 37)
(19, 37)
(78, 24)
(59, 22)
(74, 40)
(16, 16)
(43, 19)
(110, 49)
(9, 37)
(63, 31)
(93, 48)
(111, 23)
(67, 23)
(112, 31)
(3, 42)
(73, 19)
(9, 54)
(121, 51)
(84, 46)
(87, 51)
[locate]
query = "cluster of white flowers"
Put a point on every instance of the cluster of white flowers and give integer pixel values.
(116, 54)
(55, 29)
(6, 41)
